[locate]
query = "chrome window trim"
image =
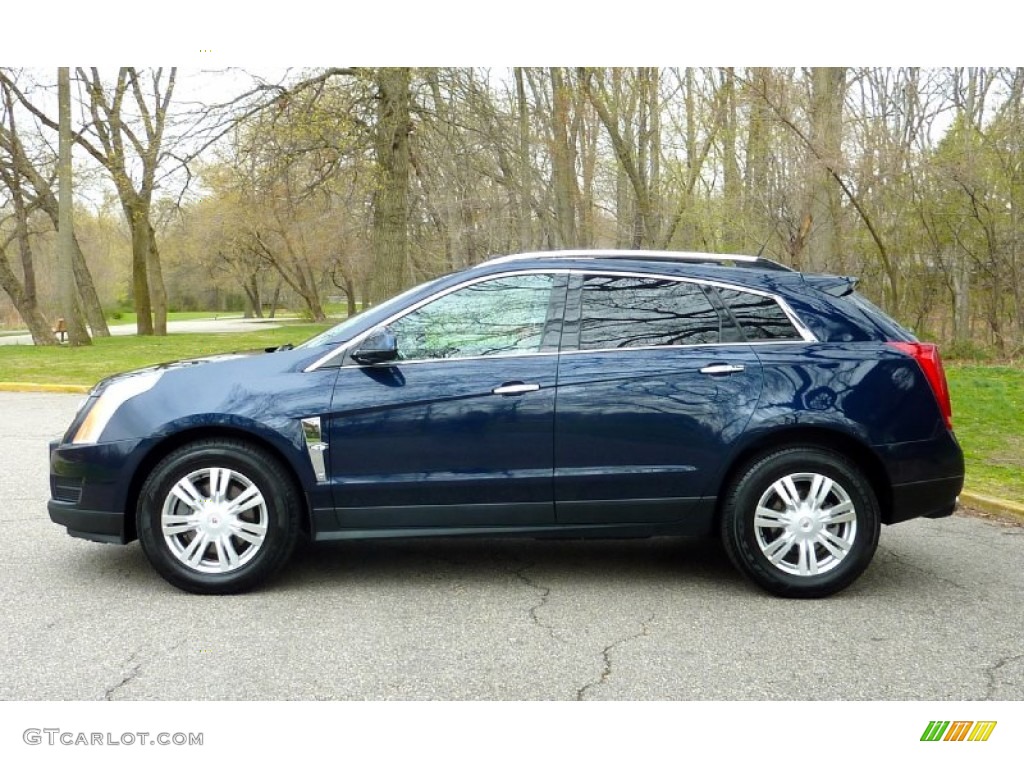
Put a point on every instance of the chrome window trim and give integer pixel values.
(705, 345)
(404, 363)
(345, 347)
(807, 333)
(807, 337)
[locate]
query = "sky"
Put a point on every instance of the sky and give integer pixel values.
(526, 32)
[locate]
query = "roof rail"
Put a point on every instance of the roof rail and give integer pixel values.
(717, 259)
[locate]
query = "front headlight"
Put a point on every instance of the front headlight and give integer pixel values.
(113, 397)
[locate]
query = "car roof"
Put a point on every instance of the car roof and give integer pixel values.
(733, 268)
(689, 257)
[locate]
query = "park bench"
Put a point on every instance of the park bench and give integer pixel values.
(60, 329)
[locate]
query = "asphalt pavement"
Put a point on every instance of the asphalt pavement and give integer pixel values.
(937, 615)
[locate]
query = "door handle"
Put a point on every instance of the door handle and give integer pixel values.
(515, 389)
(721, 369)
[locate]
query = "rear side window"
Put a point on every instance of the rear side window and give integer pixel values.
(620, 312)
(760, 317)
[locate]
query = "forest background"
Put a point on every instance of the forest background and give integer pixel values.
(322, 190)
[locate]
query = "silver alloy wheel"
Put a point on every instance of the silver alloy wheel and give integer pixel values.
(214, 520)
(805, 524)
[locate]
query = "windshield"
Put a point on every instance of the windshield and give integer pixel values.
(345, 329)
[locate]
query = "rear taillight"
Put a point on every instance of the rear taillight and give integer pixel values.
(927, 356)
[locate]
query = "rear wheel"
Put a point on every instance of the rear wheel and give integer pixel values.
(218, 516)
(801, 522)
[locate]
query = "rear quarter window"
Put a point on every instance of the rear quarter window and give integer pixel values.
(760, 317)
(874, 315)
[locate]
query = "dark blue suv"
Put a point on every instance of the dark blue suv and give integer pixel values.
(573, 394)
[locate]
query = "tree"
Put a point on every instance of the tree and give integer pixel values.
(74, 322)
(118, 140)
(29, 190)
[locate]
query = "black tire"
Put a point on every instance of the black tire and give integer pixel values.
(813, 548)
(249, 522)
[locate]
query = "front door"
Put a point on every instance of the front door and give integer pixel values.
(458, 432)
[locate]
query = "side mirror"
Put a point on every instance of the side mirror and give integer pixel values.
(381, 346)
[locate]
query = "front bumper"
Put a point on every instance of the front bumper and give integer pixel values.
(92, 524)
(89, 488)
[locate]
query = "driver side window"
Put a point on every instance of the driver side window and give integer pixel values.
(504, 316)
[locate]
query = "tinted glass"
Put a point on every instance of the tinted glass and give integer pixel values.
(504, 316)
(760, 317)
(643, 312)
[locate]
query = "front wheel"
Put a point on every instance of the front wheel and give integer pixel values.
(218, 517)
(801, 522)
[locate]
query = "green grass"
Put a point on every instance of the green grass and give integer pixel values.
(988, 416)
(87, 365)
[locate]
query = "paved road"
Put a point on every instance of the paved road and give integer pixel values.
(222, 325)
(937, 616)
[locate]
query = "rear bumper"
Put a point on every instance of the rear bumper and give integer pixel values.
(929, 498)
(925, 477)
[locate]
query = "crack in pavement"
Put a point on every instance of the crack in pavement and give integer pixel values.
(136, 670)
(109, 694)
(606, 654)
(990, 672)
(545, 593)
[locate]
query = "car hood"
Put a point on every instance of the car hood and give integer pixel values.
(188, 363)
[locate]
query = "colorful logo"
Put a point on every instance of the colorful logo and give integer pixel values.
(958, 730)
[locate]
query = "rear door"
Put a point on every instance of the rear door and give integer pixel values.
(655, 383)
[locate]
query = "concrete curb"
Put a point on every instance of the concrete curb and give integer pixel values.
(29, 386)
(992, 505)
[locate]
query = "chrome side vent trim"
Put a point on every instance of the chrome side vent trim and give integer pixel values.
(315, 446)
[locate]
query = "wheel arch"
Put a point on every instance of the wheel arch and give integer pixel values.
(866, 460)
(172, 442)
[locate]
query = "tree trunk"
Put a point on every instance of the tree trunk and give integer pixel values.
(251, 286)
(87, 295)
(138, 221)
(37, 325)
(73, 320)
(274, 299)
(391, 201)
(563, 166)
(84, 283)
(654, 155)
(157, 291)
(827, 93)
(756, 174)
(525, 167)
(732, 234)
(961, 297)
